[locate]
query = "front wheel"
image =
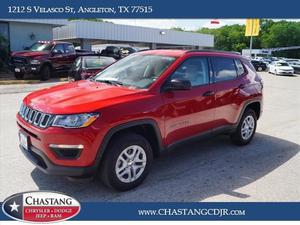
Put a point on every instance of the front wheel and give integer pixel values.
(45, 73)
(245, 129)
(19, 76)
(127, 162)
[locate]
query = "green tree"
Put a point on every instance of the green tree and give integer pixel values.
(282, 34)
(230, 38)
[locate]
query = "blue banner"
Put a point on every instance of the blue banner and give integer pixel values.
(148, 9)
(186, 211)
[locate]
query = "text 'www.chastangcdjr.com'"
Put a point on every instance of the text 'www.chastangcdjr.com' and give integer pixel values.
(215, 212)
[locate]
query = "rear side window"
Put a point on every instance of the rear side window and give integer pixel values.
(194, 69)
(224, 68)
(239, 67)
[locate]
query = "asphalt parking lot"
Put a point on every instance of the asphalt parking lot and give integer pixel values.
(268, 169)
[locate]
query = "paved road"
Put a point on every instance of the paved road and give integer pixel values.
(213, 170)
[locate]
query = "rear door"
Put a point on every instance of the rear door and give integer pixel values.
(189, 112)
(228, 81)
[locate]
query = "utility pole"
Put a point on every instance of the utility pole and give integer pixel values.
(250, 48)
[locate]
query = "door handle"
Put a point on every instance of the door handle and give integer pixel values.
(208, 93)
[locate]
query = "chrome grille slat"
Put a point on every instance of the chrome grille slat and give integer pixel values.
(34, 117)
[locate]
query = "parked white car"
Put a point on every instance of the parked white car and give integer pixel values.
(280, 68)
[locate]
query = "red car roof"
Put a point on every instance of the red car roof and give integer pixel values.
(165, 52)
(178, 53)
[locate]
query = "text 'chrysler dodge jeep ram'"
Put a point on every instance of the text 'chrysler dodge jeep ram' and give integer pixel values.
(117, 122)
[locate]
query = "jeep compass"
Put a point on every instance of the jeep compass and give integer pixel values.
(115, 123)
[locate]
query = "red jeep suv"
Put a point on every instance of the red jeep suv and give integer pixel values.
(136, 109)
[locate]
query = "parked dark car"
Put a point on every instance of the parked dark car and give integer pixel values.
(118, 52)
(296, 66)
(87, 66)
(259, 65)
(45, 58)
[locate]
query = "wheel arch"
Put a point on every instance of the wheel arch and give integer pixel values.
(146, 127)
(255, 105)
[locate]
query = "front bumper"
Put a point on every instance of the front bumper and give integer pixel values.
(285, 72)
(39, 141)
(42, 162)
(25, 68)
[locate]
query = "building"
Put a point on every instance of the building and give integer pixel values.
(256, 52)
(22, 33)
(86, 34)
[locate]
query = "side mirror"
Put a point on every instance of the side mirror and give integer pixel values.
(178, 84)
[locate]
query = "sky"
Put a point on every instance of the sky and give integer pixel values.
(186, 24)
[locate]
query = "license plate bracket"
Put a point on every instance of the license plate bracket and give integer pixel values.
(23, 140)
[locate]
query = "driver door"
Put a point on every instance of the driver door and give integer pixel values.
(58, 59)
(189, 112)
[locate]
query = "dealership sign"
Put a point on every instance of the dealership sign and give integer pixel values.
(41, 206)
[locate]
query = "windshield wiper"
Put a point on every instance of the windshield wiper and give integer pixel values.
(113, 82)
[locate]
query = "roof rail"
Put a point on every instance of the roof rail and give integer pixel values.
(214, 50)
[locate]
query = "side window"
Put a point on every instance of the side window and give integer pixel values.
(224, 68)
(108, 61)
(239, 67)
(59, 49)
(194, 69)
(69, 49)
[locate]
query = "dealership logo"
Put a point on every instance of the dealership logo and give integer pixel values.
(41, 206)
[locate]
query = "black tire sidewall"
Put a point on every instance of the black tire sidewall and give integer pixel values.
(45, 72)
(19, 76)
(108, 173)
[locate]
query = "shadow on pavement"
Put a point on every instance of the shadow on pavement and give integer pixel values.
(193, 172)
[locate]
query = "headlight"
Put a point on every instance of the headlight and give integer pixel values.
(35, 61)
(74, 120)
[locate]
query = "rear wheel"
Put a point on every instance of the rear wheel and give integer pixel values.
(19, 76)
(245, 129)
(45, 73)
(127, 162)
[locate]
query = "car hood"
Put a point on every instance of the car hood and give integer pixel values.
(29, 54)
(285, 67)
(79, 97)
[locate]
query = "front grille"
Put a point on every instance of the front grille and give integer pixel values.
(19, 60)
(34, 117)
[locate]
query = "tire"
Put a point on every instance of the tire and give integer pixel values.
(19, 76)
(45, 73)
(260, 69)
(242, 138)
(112, 162)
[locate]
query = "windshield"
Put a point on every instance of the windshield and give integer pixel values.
(136, 70)
(282, 64)
(94, 63)
(41, 47)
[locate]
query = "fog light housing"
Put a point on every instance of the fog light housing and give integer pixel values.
(66, 151)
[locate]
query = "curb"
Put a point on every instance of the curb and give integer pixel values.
(8, 82)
